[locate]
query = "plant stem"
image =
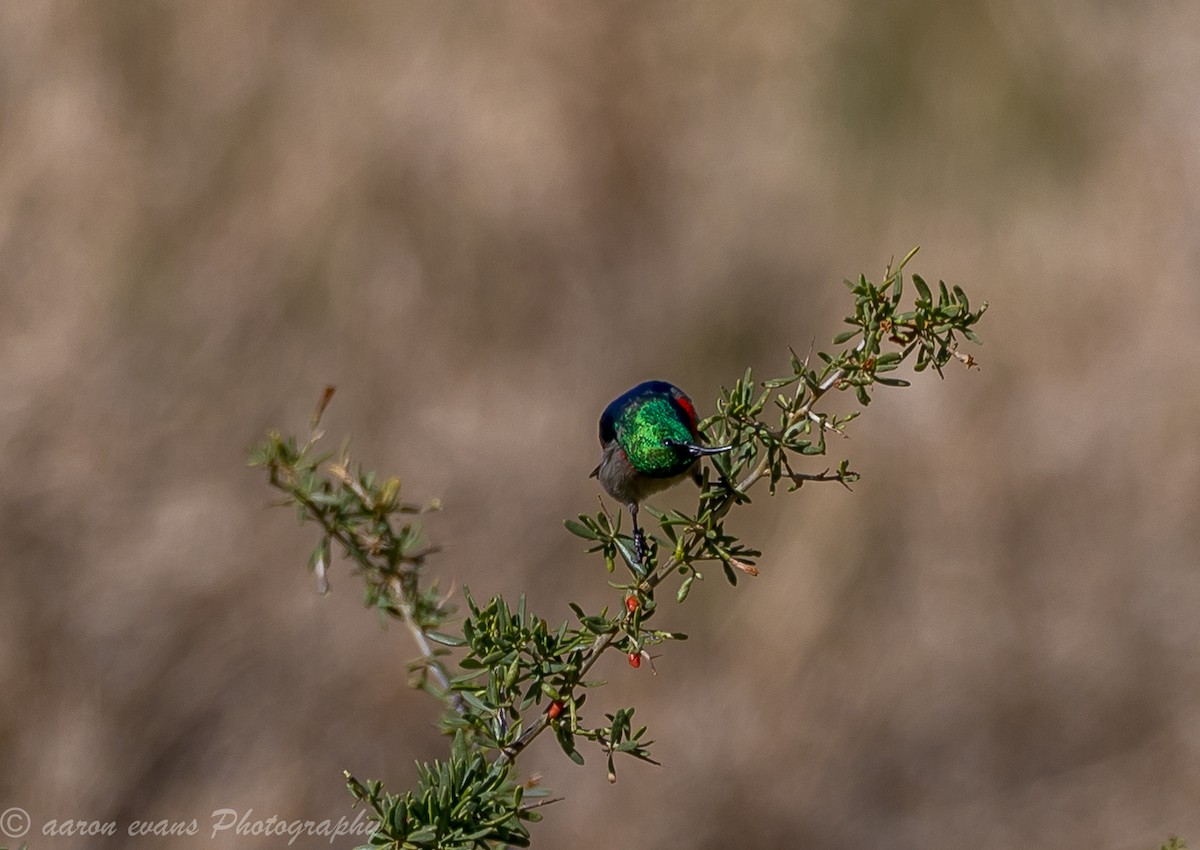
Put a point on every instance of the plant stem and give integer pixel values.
(358, 551)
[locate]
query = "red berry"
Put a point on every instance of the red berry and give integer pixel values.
(635, 660)
(555, 709)
(631, 604)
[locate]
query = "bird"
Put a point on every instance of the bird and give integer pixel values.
(650, 440)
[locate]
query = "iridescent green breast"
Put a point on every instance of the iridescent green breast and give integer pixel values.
(646, 430)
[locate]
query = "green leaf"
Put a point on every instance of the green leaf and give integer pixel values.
(627, 555)
(580, 530)
(685, 588)
(476, 703)
(922, 288)
(445, 639)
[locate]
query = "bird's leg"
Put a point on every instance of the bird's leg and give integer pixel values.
(639, 539)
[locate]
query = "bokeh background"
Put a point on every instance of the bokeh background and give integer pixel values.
(482, 222)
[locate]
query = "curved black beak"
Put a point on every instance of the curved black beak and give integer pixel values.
(699, 451)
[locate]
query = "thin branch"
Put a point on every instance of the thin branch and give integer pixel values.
(430, 660)
(358, 550)
(798, 478)
(541, 803)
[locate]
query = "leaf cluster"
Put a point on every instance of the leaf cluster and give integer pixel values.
(374, 529)
(463, 803)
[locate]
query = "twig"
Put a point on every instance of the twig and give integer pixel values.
(545, 802)
(431, 662)
(358, 550)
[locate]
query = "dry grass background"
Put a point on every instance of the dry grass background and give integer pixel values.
(483, 221)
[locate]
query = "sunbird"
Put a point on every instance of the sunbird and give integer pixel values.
(650, 437)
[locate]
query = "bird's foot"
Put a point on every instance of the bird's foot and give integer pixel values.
(640, 548)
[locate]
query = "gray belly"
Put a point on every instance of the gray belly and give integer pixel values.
(624, 483)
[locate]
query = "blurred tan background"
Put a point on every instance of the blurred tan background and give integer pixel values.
(482, 222)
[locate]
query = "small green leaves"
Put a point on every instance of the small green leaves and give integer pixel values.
(513, 660)
(566, 740)
(463, 803)
(603, 529)
(363, 516)
(582, 529)
(882, 336)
